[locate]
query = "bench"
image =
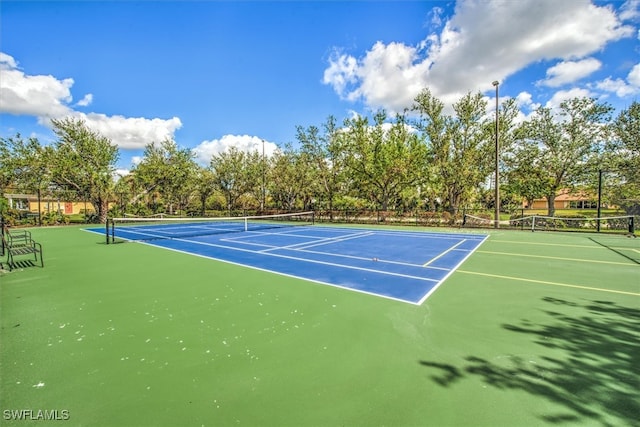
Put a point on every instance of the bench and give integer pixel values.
(18, 244)
(18, 237)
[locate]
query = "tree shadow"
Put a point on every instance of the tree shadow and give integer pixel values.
(591, 365)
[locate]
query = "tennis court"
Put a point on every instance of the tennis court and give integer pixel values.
(401, 265)
(530, 329)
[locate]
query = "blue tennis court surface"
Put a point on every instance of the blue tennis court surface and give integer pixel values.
(401, 265)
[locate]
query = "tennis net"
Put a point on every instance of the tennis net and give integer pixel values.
(612, 224)
(154, 228)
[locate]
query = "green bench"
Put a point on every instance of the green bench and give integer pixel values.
(19, 243)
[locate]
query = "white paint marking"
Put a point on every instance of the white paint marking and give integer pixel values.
(426, 264)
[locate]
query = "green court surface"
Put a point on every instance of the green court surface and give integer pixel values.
(534, 329)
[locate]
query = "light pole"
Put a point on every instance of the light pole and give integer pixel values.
(497, 184)
(262, 202)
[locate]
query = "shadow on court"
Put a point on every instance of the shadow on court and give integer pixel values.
(589, 363)
(19, 265)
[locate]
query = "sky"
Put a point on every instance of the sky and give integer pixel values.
(216, 74)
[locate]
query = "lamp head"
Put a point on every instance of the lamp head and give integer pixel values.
(495, 83)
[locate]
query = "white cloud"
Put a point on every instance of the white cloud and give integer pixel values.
(437, 14)
(621, 87)
(617, 86)
(388, 76)
(120, 173)
(634, 76)
(630, 10)
(21, 94)
(570, 71)
(131, 132)
(47, 97)
(483, 41)
(341, 73)
(399, 61)
(86, 101)
(7, 61)
(564, 95)
(525, 101)
(207, 149)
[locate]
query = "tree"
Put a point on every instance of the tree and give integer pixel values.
(562, 144)
(524, 177)
(256, 169)
(324, 155)
(168, 172)
(24, 164)
(230, 175)
(204, 187)
(461, 146)
(624, 151)
(289, 178)
(383, 159)
(83, 161)
(6, 160)
(125, 191)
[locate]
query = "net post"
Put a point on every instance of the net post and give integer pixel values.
(106, 230)
(313, 217)
(533, 224)
(632, 229)
(246, 224)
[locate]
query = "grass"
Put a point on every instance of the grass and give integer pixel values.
(535, 329)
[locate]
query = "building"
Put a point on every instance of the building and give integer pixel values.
(29, 203)
(567, 199)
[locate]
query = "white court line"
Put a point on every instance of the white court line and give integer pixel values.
(361, 291)
(417, 234)
(315, 240)
(455, 268)
(237, 241)
(350, 267)
(426, 264)
(431, 234)
(365, 259)
(328, 241)
(284, 232)
(292, 231)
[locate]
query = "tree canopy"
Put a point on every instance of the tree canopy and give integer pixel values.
(429, 157)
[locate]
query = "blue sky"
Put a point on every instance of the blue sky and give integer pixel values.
(214, 74)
